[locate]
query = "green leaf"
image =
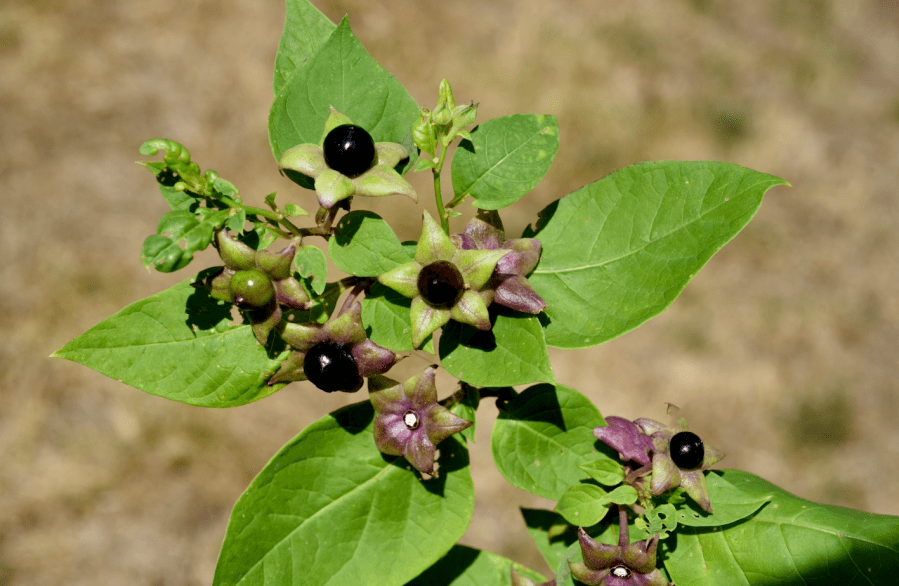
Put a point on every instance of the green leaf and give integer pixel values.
(464, 566)
(323, 511)
(542, 435)
(385, 314)
(789, 541)
(583, 505)
(341, 74)
(305, 30)
(605, 472)
(366, 246)
(661, 520)
(552, 534)
(187, 234)
(505, 159)
(617, 252)
(729, 504)
(312, 265)
(292, 210)
(178, 344)
(467, 408)
(512, 352)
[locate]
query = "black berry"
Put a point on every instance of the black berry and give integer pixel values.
(687, 450)
(331, 367)
(349, 150)
(251, 289)
(440, 284)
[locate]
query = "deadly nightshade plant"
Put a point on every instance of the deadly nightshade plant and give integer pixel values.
(380, 491)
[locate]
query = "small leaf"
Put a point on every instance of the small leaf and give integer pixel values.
(464, 566)
(322, 510)
(789, 541)
(583, 505)
(178, 344)
(512, 352)
(312, 265)
(603, 471)
(617, 252)
(505, 159)
(292, 210)
(541, 437)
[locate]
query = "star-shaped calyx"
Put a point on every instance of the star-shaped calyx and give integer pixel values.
(409, 421)
(259, 282)
(625, 564)
(680, 458)
(445, 282)
(335, 356)
(347, 162)
(511, 288)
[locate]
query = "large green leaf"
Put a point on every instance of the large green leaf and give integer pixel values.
(542, 435)
(330, 509)
(464, 566)
(178, 344)
(305, 30)
(618, 251)
(505, 159)
(341, 74)
(512, 352)
(366, 246)
(790, 541)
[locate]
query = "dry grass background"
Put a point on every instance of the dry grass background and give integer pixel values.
(783, 351)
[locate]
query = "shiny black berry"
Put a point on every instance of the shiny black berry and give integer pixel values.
(687, 451)
(251, 289)
(441, 284)
(349, 150)
(331, 367)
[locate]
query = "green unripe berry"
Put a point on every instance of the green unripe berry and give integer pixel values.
(251, 289)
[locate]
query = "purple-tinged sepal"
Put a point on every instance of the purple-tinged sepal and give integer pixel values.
(445, 282)
(627, 439)
(508, 280)
(336, 356)
(631, 564)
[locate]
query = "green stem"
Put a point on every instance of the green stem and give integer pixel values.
(276, 217)
(441, 210)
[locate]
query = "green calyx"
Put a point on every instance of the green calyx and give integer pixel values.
(332, 186)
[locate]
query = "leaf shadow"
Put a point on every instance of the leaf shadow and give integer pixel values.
(543, 217)
(204, 312)
(448, 568)
(354, 418)
(537, 403)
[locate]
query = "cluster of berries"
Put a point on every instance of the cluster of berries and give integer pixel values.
(451, 277)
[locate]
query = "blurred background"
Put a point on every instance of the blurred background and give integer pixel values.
(782, 351)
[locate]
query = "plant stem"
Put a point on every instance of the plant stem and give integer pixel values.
(438, 196)
(623, 538)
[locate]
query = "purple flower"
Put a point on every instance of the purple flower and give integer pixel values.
(625, 437)
(511, 288)
(409, 421)
(617, 565)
